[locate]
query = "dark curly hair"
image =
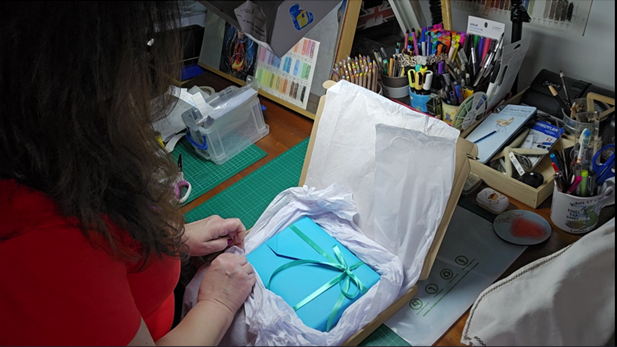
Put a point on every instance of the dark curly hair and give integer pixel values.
(76, 83)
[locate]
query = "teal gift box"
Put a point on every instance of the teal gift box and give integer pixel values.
(316, 275)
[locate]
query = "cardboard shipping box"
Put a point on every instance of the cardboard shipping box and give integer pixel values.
(464, 150)
(277, 25)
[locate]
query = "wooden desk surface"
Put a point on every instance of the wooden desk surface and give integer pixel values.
(288, 128)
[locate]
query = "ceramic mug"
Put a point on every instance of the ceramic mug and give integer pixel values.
(578, 215)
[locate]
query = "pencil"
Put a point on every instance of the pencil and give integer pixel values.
(485, 136)
(390, 64)
(375, 77)
(370, 76)
(335, 75)
(363, 79)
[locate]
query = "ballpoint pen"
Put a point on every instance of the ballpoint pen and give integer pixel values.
(565, 90)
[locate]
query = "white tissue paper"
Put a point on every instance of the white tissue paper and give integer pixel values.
(401, 180)
(271, 321)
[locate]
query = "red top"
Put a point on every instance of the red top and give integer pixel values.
(57, 289)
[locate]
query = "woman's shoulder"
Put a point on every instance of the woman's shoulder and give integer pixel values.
(47, 264)
(23, 209)
(30, 220)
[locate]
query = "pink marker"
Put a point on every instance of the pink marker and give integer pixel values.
(415, 44)
(487, 45)
(575, 184)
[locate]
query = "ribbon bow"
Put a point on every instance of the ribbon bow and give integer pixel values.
(343, 279)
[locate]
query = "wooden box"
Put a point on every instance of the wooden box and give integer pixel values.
(520, 191)
(464, 150)
(513, 188)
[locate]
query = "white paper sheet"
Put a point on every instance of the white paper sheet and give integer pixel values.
(345, 152)
(470, 258)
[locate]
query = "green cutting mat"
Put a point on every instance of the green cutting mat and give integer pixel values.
(249, 197)
(204, 175)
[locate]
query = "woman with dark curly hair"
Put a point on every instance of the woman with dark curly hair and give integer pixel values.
(91, 238)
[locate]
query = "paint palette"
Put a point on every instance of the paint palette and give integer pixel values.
(522, 227)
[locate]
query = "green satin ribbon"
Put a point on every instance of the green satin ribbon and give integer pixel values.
(343, 279)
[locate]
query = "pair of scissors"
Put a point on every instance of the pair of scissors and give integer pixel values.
(181, 184)
(604, 170)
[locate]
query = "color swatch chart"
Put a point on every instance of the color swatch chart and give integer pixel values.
(561, 15)
(290, 76)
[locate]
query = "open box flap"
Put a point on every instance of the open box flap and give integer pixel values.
(462, 149)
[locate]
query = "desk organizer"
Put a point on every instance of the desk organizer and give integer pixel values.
(512, 187)
(234, 123)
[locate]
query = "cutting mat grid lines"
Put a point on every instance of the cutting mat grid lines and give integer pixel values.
(249, 197)
(204, 174)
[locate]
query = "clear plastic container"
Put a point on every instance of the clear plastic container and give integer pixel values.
(234, 123)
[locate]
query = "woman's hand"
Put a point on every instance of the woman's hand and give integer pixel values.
(228, 282)
(214, 234)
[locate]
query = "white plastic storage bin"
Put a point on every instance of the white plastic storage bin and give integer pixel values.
(234, 123)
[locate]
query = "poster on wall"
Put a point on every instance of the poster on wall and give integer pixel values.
(238, 55)
(560, 15)
(289, 77)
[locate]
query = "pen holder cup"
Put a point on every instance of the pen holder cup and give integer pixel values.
(577, 214)
(574, 127)
(447, 112)
(395, 87)
(419, 101)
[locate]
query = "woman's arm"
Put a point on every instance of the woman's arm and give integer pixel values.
(224, 288)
